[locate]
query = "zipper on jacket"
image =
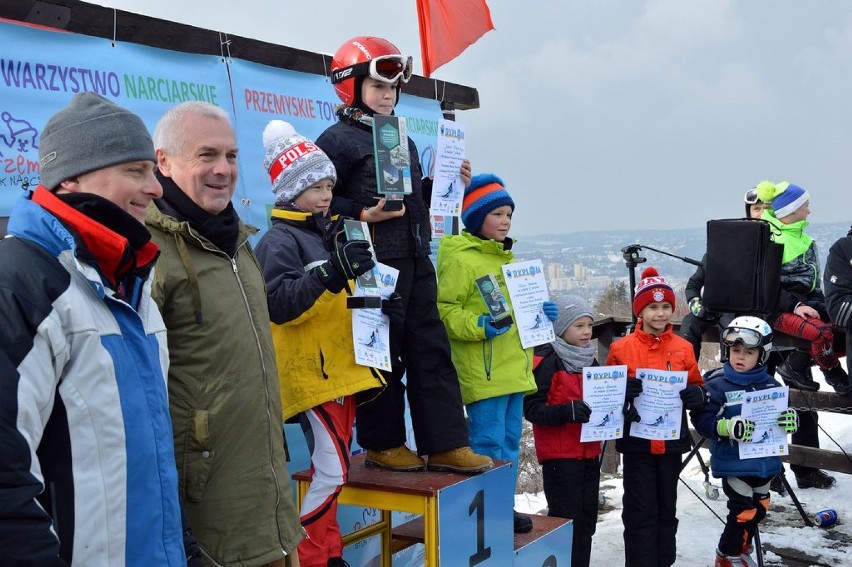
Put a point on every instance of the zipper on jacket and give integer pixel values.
(264, 370)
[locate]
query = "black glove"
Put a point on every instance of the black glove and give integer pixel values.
(630, 412)
(634, 388)
(694, 397)
(352, 258)
(330, 277)
(576, 411)
(394, 309)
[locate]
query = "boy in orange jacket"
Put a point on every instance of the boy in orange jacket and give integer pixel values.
(651, 467)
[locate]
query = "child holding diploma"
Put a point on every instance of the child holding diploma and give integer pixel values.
(308, 268)
(747, 342)
(571, 469)
(494, 370)
(651, 467)
(368, 74)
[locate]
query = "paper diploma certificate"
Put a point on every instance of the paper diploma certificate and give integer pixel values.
(528, 290)
(371, 327)
(603, 391)
(447, 186)
(762, 407)
(659, 405)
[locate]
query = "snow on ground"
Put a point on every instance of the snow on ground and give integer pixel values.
(699, 529)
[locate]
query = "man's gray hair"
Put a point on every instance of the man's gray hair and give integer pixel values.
(169, 134)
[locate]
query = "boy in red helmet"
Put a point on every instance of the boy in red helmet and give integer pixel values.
(367, 73)
(651, 467)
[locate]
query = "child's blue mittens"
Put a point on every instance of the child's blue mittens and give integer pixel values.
(737, 428)
(491, 331)
(551, 310)
(789, 420)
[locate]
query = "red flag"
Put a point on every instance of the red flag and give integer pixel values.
(448, 27)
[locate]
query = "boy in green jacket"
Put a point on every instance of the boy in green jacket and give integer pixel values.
(495, 371)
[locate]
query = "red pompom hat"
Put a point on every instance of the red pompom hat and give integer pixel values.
(652, 288)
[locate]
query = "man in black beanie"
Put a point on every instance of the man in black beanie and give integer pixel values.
(86, 458)
(223, 382)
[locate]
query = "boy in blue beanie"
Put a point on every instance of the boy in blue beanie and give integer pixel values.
(494, 370)
(747, 342)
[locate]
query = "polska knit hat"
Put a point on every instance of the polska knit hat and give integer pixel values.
(571, 308)
(485, 193)
(90, 133)
(652, 288)
(785, 197)
(293, 162)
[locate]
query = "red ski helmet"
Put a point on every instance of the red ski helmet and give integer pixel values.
(366, 56)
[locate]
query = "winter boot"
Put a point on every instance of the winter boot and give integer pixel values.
(461, 460)
(723, 560)
(796, 371)
(815, 479)
(838, 379)
(522, 523)
(400, 459)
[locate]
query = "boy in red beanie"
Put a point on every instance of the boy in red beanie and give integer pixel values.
(651, 467)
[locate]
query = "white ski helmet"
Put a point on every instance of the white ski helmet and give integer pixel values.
(751, 332)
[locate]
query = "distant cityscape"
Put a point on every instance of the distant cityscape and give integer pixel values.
(587, 263)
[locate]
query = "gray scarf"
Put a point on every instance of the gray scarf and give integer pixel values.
(573, 357)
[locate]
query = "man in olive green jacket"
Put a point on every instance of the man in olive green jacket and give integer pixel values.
(223, 384)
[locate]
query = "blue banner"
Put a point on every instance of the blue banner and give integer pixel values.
(40, 70)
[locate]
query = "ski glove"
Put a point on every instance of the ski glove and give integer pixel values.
(630, 412)
(490, 330)
(737, 428)
(789, 420)
(694, 397)
(576, 411)
(697, 308)
(634, 388)
(394, 309)
(352, 258)
(551, 310)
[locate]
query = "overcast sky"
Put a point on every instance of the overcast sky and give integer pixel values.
(607, 115)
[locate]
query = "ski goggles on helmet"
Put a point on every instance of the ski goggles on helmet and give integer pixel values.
(749, 338)
(385, 68)
(751, 197)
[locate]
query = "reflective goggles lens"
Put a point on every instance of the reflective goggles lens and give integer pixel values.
(751, 197)
(390, 68)
(749, 338)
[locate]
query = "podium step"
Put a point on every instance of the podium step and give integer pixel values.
(468, 516)
(548, 543)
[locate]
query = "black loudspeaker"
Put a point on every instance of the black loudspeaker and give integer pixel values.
(742, 267)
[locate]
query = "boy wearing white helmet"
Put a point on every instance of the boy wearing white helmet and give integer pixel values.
(747, 342)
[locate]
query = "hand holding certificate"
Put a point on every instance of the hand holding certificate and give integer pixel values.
(763, 408)
(659, 404)
(528, 291)
(603, 391)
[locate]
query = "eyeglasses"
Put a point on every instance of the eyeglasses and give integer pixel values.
(749, 338)
(385, 68)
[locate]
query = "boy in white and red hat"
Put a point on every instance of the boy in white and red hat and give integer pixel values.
(651, 467)
(307, 265)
